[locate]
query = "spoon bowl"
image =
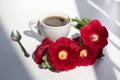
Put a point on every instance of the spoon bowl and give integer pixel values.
(16, 36)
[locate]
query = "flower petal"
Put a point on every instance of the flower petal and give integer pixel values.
(62, 54)
(41, 50)
(94, 34)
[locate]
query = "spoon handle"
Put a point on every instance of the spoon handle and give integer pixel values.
(23, 49)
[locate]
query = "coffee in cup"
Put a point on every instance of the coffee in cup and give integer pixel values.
(53, 25)
(55, 21)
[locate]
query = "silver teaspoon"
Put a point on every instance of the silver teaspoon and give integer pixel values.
(16, 36)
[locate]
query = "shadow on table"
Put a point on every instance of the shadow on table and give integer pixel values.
(11, 67)
(33, 34)
(107, 11)
(104, 68)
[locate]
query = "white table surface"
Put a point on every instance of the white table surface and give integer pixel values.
(16, 14)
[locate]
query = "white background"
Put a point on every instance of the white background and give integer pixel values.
(16, 14)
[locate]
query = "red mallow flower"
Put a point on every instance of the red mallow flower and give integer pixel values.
(41, 50)
(100, 53)
(77, 40)
(94, 34)
(87, 55)
(62, 54)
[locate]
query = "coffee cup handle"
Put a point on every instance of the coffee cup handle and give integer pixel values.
(34, 26)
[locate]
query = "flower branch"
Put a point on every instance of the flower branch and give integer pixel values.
(65, 54)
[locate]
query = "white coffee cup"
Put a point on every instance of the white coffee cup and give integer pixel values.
(51, 32)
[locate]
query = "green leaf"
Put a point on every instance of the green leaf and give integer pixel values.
(78, 26)
(86, 19)
(81, 22)
(45, 63)
(44, 58)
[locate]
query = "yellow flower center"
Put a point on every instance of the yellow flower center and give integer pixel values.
(83, 53)
(62, 55)
(95, 37)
